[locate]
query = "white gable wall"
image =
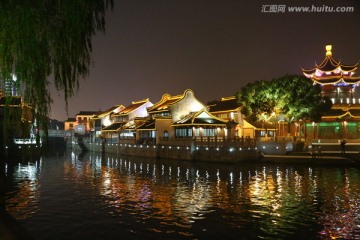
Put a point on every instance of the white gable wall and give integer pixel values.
(185, 106)
(140, 111)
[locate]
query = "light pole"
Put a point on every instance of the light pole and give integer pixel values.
(273, 114)
(281, 131)
(313, 123)
(344, 127)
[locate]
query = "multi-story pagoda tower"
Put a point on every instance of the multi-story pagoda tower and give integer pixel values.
(337, 81)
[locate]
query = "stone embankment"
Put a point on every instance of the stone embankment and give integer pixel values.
(225, 153)
(228, 152)
(325, 158)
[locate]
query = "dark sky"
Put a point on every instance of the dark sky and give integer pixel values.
(213, 47)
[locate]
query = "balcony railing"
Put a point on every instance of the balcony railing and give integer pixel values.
(185, 141)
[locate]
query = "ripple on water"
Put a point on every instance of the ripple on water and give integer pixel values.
(134, 198)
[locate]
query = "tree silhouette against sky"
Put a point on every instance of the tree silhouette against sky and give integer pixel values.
(46, 42)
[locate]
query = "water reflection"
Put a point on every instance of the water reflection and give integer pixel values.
(22, 203)
(261, 201)
(341, 217)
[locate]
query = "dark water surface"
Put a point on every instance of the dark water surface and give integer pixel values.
(112, 197)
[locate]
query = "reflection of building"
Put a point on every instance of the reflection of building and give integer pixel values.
(338, 83)
(23, 203)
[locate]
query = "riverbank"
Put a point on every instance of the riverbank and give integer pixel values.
(224, 153)
(326, 158)
(281, 152)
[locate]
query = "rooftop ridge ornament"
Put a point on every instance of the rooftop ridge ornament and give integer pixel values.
(328, 49)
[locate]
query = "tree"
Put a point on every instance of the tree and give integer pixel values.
(292, 96)
(42, 40)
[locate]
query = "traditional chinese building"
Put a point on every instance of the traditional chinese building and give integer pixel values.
(181, 118)
(159, 122)
(104, 119)
(337, 81)
(19, 120)
(124, 123)
(69, 124)
(84, 119)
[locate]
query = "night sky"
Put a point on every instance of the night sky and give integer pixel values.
(214, 47)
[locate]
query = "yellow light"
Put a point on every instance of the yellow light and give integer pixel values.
(328, 50)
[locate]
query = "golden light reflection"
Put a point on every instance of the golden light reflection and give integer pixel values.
(340, 216)
(24, 202)
(182, 192)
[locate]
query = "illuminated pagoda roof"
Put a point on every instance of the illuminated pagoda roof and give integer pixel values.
(200, 118)
(341, 113)
(331, 71)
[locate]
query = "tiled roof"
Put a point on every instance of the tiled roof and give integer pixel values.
(132, 107)
(340, 113)
(113, 127)
(329, 64)
(336, 79)
(225, 104)
(163, 104)
(263, 125)
(88, 113)
(71, 120)
(335, 71)
(200, 118)
(132, 125)
(148, 125)
(108, 111)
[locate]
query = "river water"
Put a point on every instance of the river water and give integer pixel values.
(71, 196)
